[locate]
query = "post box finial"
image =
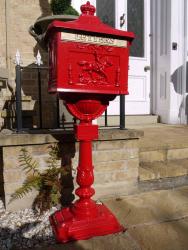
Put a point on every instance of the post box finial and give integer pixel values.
(87, 9)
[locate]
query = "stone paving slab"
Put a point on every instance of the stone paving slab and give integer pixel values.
(157, 170)
(172, 235)
(156, 220)
(155, 206)
(163, 136)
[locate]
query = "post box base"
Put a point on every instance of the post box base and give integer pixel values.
(68, 228)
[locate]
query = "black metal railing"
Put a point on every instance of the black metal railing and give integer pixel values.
(18, 99)
(122, 112)
(60, 120)
(18, 96)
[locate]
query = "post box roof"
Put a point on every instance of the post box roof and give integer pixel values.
(87, 22)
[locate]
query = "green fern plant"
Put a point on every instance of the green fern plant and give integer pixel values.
(48, 183)
(62, 7)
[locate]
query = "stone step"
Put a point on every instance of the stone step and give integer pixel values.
(163, 153)
(160, 175)
(158, 170)
(163, 157)
(164, 142)
(129, 120)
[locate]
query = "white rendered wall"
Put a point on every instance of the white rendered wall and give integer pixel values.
(168, 65)
(177, 61)
(184, 112)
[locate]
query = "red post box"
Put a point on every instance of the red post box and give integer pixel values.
(88, 63)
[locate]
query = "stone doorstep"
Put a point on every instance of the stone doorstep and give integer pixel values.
(129, 120)
(151, 156)
(162, 146)
(163, 154)
(160, 170)
(165, 183)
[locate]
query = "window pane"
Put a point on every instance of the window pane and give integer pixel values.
(135, 9)
(106, 11)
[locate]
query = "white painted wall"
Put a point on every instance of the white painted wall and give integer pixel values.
(176, 67)
(169, 93)
(186, 63)
(184, 113)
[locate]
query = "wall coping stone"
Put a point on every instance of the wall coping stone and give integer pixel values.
(37, 137)
(119, 134)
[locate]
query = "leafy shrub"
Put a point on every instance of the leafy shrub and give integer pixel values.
(62, 7)
(48, 183)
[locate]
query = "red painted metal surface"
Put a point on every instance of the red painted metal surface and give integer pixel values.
(88, 68)
(84, 219)
(87, 56)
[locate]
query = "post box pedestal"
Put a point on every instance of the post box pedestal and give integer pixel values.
(84, 219)
(88, 64)
(68, 228)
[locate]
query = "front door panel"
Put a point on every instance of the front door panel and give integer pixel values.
(133, 15)
(138, 20)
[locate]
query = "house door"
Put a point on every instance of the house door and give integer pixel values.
(132, 15)
(138, 21)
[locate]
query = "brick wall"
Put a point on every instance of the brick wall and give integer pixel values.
(16, 16)
(3, 35)
(14, 175)
(30, 86)
(115, 158)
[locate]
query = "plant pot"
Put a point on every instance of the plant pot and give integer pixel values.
(38, 30)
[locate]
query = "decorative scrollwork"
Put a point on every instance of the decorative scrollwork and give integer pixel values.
(93, 72)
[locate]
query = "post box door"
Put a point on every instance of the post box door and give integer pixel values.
(90, 63)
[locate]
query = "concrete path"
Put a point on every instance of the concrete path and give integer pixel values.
(156, 220)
